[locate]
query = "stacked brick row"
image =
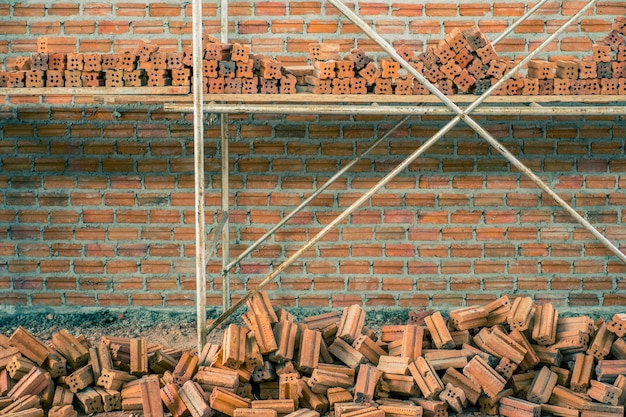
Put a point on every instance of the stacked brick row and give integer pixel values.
(509, 359)
(464, 61)
(227, 68)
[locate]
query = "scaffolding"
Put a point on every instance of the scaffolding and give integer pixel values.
(460, 107)
(228, 104)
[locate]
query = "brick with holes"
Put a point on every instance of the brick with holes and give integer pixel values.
(456, 40)
(340, 86)
(127, 61)
(444, 52)
(567, 69)
(345, 69)
(383, 86)
(240, 52)
(359, 58)
(39, 61)
(156, 77)
(74, 62)
(587, 69)
(324, 70)
(34, 79)
(244, 69)
(318, 86)
(269, 85)
(487, 54)
(464, 81)
(216, 85)
(497, 68)
(370, 73)
(475, 38)
(601, 53)
(433, 74)
(56, 62)
(404, 86)
(134, 78)
(73, 78)
(609, 86)
(110, 61)
(114, 78)
(54, 78)
(143, 51)
(174, 60)
(446, 87)
(358, 85)
(450, 69)
(428, 58)
(463, 58)
(249, 85)
(228, 69)
(546, 87)
(604, 70)
(406, 52)
(531, 87)
(288, 84)
(181, 77)
(232, 85)
(542, 70)
(389, 68)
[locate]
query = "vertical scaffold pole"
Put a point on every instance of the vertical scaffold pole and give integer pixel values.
(225, 190)
(198, 166)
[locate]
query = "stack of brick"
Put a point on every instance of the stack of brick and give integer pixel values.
(513, 359)
(324, 78)
(464, 61)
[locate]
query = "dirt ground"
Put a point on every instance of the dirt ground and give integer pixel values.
(166, 328)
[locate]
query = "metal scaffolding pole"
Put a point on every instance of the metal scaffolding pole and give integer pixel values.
(225, 187)
(198, 163)
(461, 115)
(383, 110)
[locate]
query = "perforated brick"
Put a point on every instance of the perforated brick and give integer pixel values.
(110, 61)
(609, 86)
(227, 69)
(249, 85)
(383, 86)
(244, 69)
(464, 81)
(269, 85)
(232, 85)
(114, 78)
(73, 78)
(358, 85)
(39, 61)
(404, 86)
(562, 86)
(341, 86)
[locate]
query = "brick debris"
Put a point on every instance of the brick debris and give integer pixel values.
(510, 359)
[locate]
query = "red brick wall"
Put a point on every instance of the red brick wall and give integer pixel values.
(97, 202)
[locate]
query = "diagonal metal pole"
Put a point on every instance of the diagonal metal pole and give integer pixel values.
(317, 192)
(463, 115)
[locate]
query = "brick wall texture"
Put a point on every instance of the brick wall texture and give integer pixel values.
(96, 202)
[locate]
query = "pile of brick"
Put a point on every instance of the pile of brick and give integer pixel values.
(513, 359)
(464, 61)
(227, 68)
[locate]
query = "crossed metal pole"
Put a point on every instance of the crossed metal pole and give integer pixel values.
(460, 115)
